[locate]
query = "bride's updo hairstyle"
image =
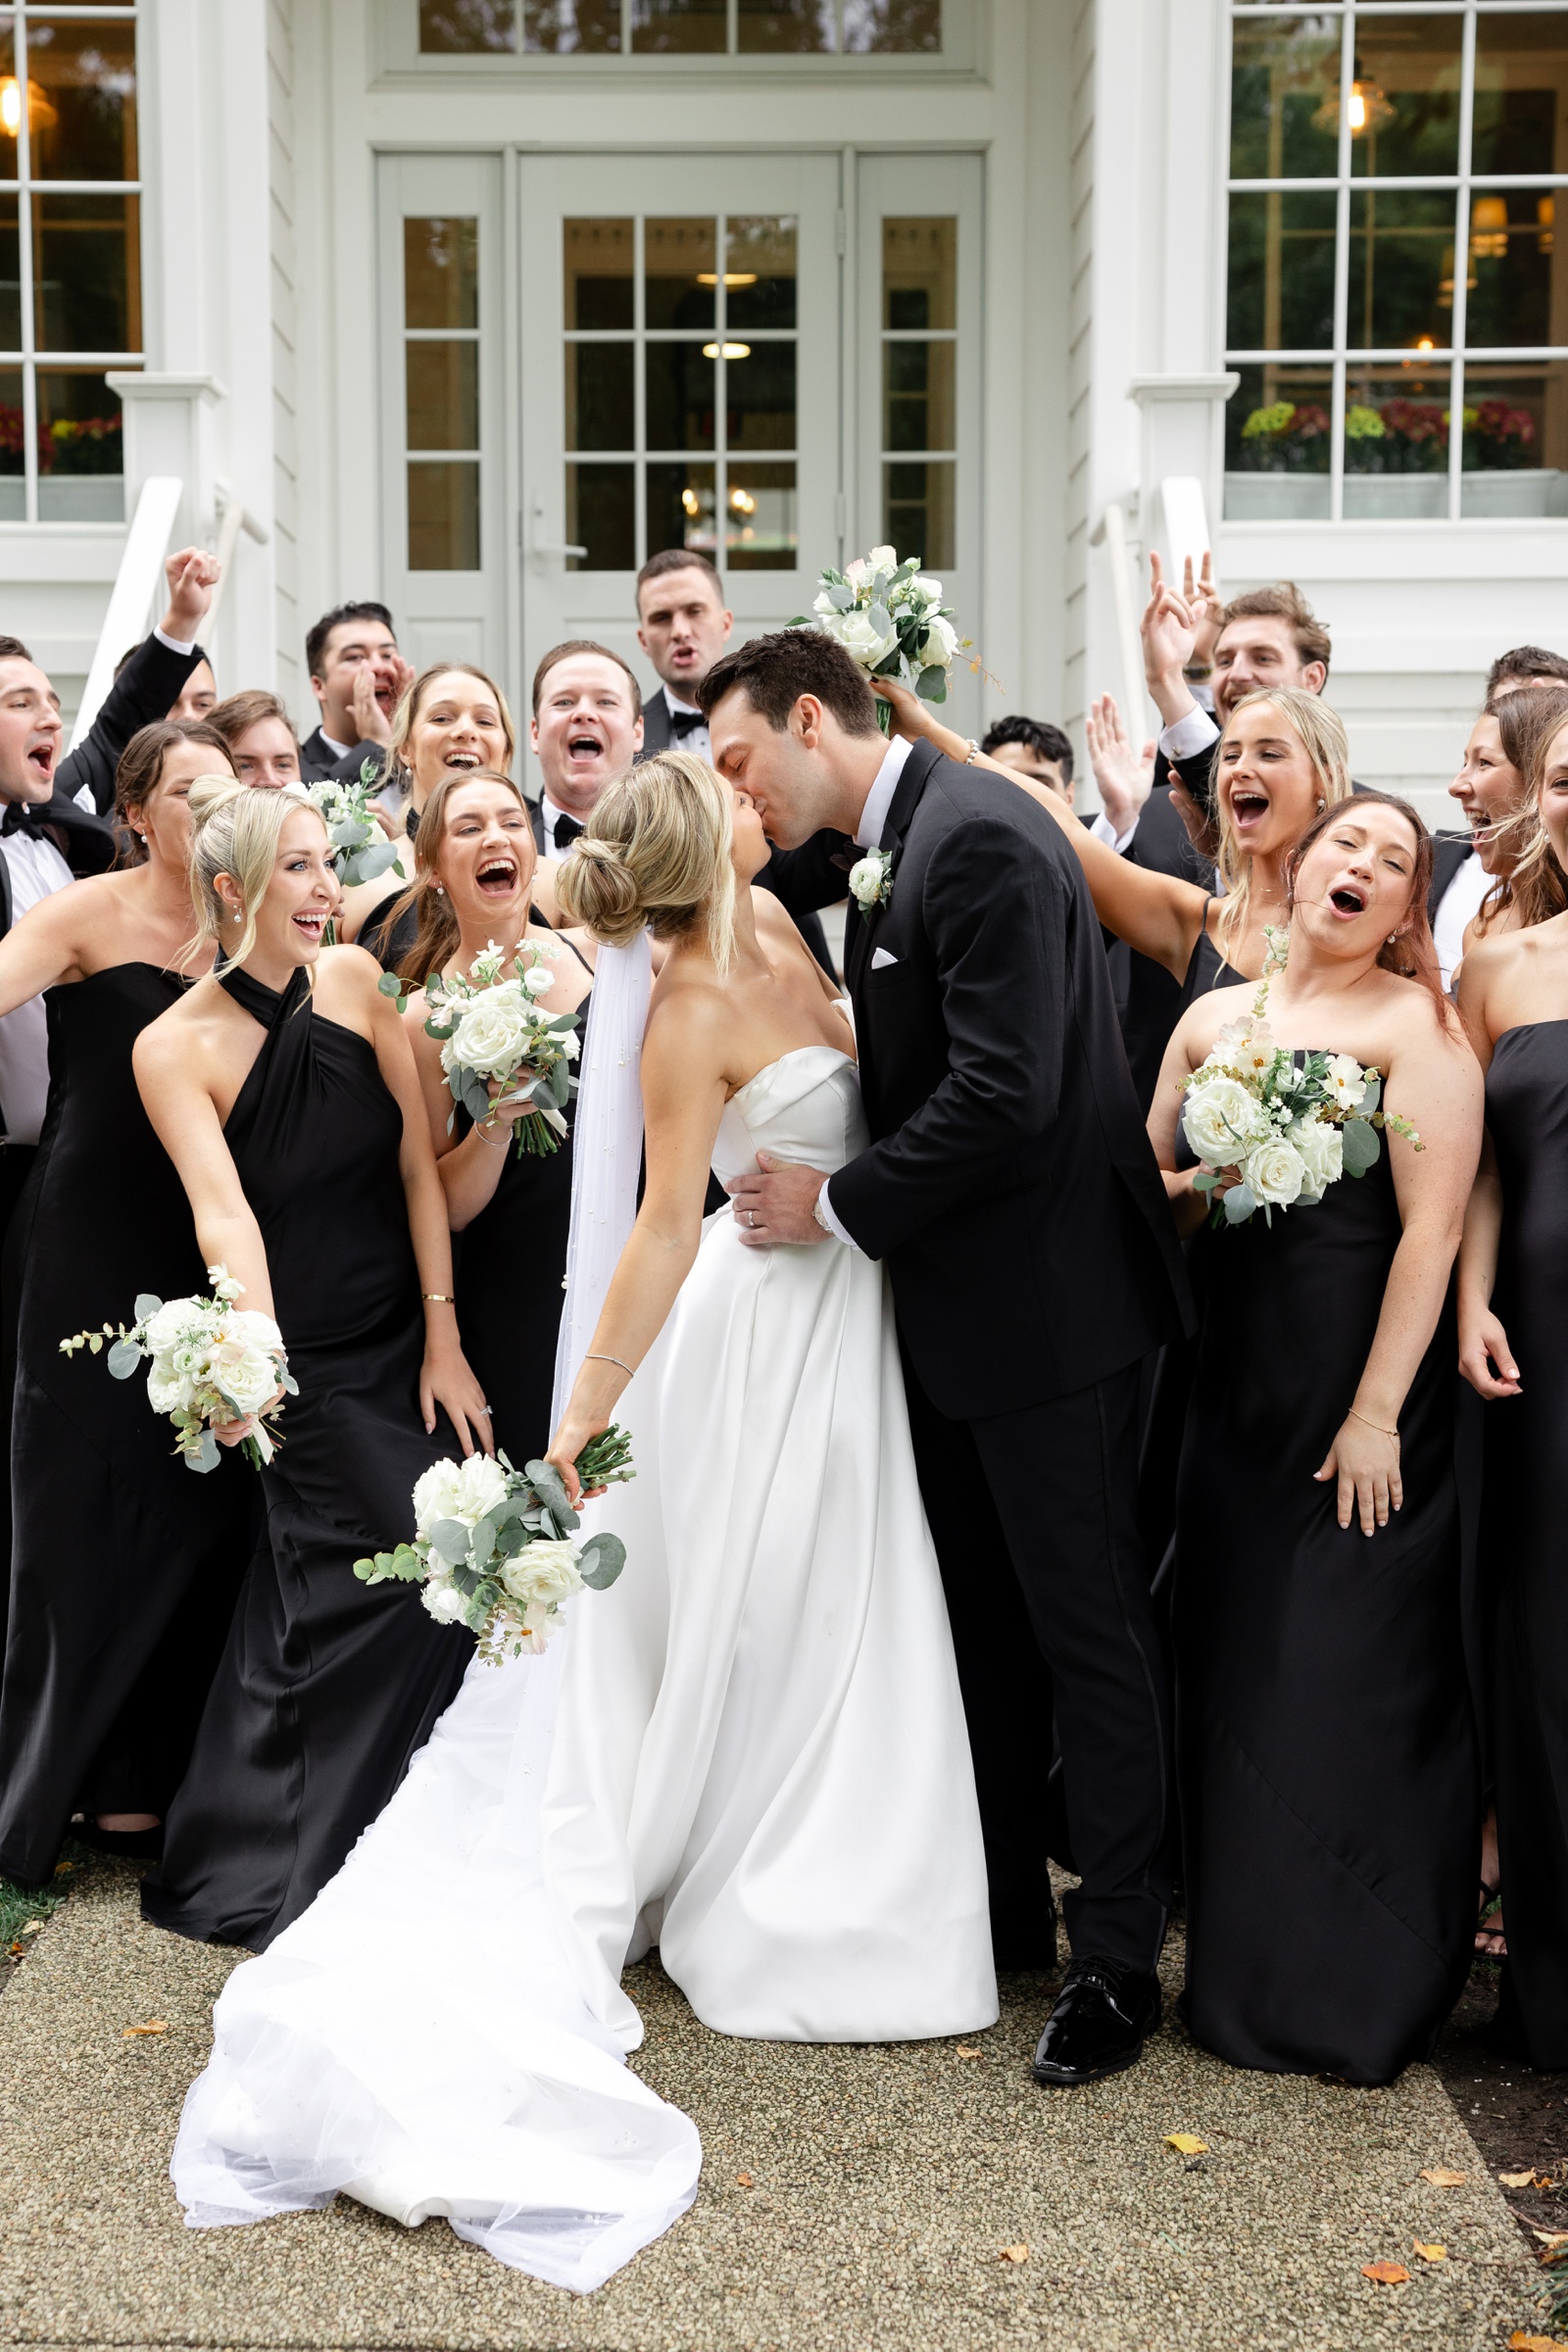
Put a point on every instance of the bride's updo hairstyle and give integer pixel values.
(235, 830)
(656, 852)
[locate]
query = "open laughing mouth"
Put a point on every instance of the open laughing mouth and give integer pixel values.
(584, 747)
(1346, 899)
(41, 760)
(312, 923)
(1246, 807)
(461, 758)
(497, 877)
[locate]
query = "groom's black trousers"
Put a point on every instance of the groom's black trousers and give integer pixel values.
(1034, 1517)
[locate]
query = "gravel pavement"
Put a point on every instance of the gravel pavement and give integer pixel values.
(851, 2198)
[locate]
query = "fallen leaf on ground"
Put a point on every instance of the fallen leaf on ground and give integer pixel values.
(1186, 2143)
(1520, 2342)
(153, 2024)
(1430, 2253)
(964, 2051)
(32, 1927)
(1530, 2180)
(16, 1950)
(1386, 2274)
(745, 2180)
(1551, 2238)
(1013, 2254)
(1441, 2178)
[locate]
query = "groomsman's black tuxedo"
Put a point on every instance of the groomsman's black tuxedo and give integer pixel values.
(796, 898)
(84, 840)
(319, 761)
(1012, 1191)
(146, 689)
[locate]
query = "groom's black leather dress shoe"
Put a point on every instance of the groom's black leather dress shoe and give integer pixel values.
(1103, 2013)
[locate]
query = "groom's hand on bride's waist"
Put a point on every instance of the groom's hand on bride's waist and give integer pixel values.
(777, 1204)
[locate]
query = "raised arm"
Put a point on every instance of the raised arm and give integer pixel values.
(1435, 1082)
(684, 1090)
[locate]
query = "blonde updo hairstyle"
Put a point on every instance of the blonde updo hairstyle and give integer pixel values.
(235, 830)
(1320, 732)
(656, 852)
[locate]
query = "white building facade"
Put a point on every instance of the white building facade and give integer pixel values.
(471, 305)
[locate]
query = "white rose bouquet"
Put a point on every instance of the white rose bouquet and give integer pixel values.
(1288, 1129)
(892, 618)
(211, 1363)
(491, 1028)
(361, 851)
(495, 1549)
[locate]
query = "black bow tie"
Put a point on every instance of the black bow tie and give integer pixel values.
(685, 723)
(15, 819)
(567, 832)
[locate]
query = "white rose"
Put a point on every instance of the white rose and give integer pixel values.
(924, 586)
(939, 644)
(882, 559)
(493, 1033)
(538, 982)
(445, 1604)
(1275, 1172)
(175, 1321)
(542, 1577)
(464, 1491)
(244, 1373)
(1322, 1155)
(1222, 1121)
(869, 645)
(857, 575)
(866, 881)
(169, 1390)
(1345, 1080)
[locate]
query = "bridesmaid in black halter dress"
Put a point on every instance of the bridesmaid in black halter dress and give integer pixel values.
(294, 1118)
(125, 1566)
(1513, 1327)
(511, 1214)
(1326, 1751)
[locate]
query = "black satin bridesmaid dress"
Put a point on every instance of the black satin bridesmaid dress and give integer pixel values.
(124, 1563)
(1326, 1749)
(1526, 1448)
(327, 1686)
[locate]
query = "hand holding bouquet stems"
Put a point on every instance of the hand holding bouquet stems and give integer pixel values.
(890, 618)
(495, 1548)
(361, 850)
(219, 1370)
(502, 1056)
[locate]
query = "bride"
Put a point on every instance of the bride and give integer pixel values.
(749, 1751)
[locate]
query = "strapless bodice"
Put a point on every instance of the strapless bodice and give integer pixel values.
(804, 1108)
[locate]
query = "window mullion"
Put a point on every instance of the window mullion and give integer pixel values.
(24, 220)
(639, 388)
(1461, 269)
(1342, 271)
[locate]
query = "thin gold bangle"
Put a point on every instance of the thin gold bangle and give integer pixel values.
(1377, 1425)
(438, 1298)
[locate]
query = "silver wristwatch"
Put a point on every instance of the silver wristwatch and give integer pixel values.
(819, 1214)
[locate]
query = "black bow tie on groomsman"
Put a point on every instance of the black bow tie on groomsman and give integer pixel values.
(684, 722)
(16, 816)
(566, 831)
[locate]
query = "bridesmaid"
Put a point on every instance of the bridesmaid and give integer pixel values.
(1326, 1753)
(1493, 789)
(477, 856)
(263, 748)
(125, 1566)
(451, 721)
(293, 1116)
(1514, 1315)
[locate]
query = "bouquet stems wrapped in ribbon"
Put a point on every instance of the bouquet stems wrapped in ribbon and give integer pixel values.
(492, 1029)
(890, 618)
(495, 1549)
(212, 1362)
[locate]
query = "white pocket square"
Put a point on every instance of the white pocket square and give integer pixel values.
(880, 959)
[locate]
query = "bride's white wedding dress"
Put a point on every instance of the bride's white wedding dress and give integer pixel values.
(749, 1751)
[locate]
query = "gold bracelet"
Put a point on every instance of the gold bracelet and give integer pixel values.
(438, 1298)
(1377, 1425)
(591, 1356)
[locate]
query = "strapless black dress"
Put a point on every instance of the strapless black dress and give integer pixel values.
(510, 1275)
(1526, 1447)
(126, 1564)
(327, 1686)
(1326, 1748)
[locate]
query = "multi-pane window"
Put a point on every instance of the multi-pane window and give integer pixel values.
(686, 27)
(1397, 300)
(70, 257)
(441, 390)
(920, 402)
(680, 389)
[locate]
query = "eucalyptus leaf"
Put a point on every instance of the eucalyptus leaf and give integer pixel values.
(146, 1305)
(546, 1483)
(1359, 1146)
(1371, 1100)
(1240, 1204)
(468, 1580)
(450, 1538)
(374, 861)
(841, 597)
(932, 684)
(206, 1457)
(880, 618)
(600, 1562)
(483, 1539)
(1205, 1180)
(389, 985)
(123, 1359)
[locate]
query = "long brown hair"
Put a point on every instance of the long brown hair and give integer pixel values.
(437, 938)
(141, 771)
(1411, 953)
(1537, 888)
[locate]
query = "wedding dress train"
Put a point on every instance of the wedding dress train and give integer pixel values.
(749, 1751)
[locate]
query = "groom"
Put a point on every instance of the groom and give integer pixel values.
(1010, 1189)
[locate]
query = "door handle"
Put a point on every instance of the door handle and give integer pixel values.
(539, 548)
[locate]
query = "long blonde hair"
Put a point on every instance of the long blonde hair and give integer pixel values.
(235, 830)
(657, 850)
(1321, 735)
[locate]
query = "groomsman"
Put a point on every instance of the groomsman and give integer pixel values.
(358, 677)
(683, 627)
(166, 676)
(587, 729)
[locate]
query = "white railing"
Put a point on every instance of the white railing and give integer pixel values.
(130, 600)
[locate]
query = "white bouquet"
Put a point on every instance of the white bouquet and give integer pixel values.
(1289, 1129)
(495, 1549)
(491, 1028)
(211, 1363)
(892, 618)
(361, 851)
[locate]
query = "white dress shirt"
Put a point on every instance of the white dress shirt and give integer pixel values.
(869, 836)
(549, 812)
(698, 739)
(1457, 904)
(36, 871)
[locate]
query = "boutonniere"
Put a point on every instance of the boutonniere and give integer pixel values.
(871, 880)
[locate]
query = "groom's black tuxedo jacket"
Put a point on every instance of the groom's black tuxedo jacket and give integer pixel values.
(1009, 1184)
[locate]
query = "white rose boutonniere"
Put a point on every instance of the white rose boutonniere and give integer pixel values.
(871, 880)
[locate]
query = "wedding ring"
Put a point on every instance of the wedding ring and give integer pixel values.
(482, 1409)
